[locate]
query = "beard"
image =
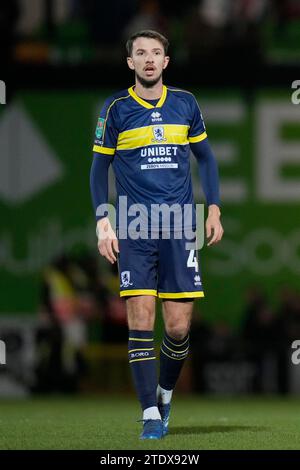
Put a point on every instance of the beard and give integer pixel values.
(148, 83)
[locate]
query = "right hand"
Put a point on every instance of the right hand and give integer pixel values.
(108, 243)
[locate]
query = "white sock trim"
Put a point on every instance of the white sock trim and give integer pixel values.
(164, 396)
(151, 413)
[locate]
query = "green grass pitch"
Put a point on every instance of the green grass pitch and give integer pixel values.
(110, 423)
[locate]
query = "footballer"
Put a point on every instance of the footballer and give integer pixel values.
(146, 132)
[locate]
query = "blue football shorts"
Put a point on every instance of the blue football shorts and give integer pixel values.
(160, 267)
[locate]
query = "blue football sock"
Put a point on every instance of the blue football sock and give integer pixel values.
(172, 355)
(143, 366)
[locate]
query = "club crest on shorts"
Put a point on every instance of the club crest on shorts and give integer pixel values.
(158, 132)
(125, 279)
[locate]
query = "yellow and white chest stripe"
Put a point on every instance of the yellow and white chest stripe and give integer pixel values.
(172, 134)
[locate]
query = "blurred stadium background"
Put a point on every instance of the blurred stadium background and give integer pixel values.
(61, 318)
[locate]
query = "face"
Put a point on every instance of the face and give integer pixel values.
(148, 60)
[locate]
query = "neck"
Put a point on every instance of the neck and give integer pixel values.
(153, 93)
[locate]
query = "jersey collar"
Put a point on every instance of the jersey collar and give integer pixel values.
(145, 103)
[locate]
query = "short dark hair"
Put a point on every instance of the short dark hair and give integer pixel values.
(147, 33)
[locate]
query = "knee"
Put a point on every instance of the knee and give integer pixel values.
(141, 321)
(140, 316)
(178, 331)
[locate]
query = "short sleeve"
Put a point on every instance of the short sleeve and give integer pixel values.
(106, 134)
(197, 131)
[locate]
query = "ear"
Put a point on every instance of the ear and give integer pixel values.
(130, 63)
(166, 61)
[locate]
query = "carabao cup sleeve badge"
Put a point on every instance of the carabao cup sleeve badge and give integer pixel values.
(100, 127)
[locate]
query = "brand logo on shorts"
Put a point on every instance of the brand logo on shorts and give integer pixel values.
(125, 279)
(158, 132)
(197, 280)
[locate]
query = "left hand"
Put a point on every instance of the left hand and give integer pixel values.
(213, 225)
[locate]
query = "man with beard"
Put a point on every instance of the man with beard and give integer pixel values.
(146, 133)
